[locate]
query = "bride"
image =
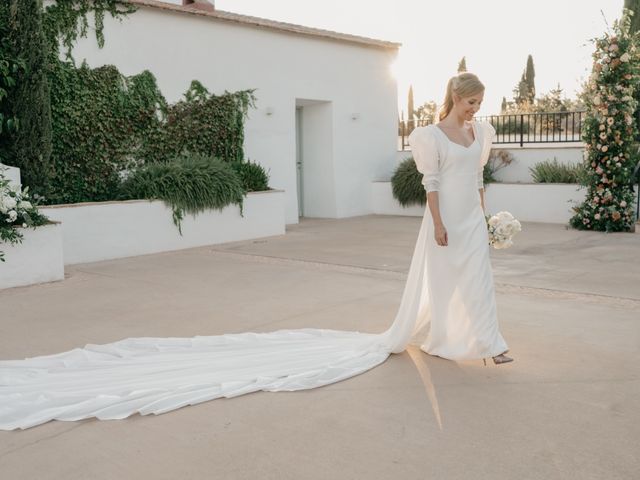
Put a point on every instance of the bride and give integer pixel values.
(447, 308)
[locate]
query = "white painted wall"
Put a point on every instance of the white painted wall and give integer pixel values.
(534, 202)
(283, 67)
(105, 230)
(37, 259)
(525, 157)
(11, 173)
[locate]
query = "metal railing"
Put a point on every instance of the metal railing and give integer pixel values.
(521, 128)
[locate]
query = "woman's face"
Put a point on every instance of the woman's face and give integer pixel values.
(467, 107)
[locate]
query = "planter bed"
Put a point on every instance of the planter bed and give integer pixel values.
(106, 230)
(528, 202)
(37, 259)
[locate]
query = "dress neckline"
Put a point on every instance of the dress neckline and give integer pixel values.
(475, 137)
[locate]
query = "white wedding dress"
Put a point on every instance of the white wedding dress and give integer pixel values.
(447, 307)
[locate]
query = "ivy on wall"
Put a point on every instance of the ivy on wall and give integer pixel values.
(105, 124)
(201, 123)
(99, 120)
(68, 20)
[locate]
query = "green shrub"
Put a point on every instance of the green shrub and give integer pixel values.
(253, 176)
(554, 172)
(406, 184)
(190, 183)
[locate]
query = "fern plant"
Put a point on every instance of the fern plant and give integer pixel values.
(555, 172)
(406, 184)
(190, 183)
(253, 176)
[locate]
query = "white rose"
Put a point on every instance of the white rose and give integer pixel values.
(624, 57)
(7, 203)
(596, 100)
(13, 215)
(26, 205)
(504, 216)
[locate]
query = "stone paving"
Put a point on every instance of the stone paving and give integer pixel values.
(567, 407)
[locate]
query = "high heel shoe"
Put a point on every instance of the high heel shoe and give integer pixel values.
(498, 359)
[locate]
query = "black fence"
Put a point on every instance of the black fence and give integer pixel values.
(521, 128)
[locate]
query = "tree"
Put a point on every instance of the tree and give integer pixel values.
(530, 75)
(28, 146)
(427, 112)
(410, 110)
(462, 66)
(503, 107)
(520, 93)
(608, 133)
(10, 67)
(525, 93)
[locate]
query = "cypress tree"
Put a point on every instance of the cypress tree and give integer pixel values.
(410, 109)
(29, 145)
(462, 66)
(530, 75)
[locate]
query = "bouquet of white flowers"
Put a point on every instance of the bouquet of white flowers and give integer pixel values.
(17, 209)
(502, 227)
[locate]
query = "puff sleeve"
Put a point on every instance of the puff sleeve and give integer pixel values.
(488, 135)
(424, 148)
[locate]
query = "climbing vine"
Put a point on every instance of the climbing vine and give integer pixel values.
(68, 20)
(201, 123)
(106, 124)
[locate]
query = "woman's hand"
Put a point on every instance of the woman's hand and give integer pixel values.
(440, 234)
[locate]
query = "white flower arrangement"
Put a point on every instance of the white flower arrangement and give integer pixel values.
(17, 209)
(502, 227)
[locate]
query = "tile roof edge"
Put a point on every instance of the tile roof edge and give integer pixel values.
(269, 24)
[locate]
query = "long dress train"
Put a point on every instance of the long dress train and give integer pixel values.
(156, 375)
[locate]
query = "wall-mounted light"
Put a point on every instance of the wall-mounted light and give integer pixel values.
(269, 111)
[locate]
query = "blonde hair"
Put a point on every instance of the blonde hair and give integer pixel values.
(464, 85)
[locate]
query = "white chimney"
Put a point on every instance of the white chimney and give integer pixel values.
(206, 5)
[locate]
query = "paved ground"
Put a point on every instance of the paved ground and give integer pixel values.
(567, 408)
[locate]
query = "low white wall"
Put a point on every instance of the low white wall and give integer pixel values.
(11, 173)
(384, 204)
(535, 202)
(538, 202)
(528, 155)
(37, 259)
(100, 231)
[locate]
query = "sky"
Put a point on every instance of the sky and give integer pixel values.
(495, 36)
